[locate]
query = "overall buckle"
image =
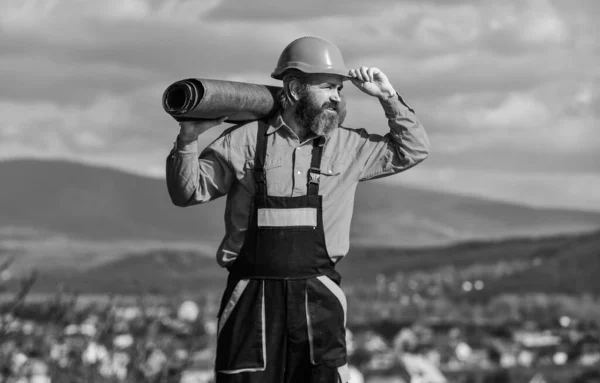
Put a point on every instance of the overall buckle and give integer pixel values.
(314, 175)
(260, 176)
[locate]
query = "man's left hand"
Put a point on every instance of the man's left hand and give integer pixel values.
(372, 81)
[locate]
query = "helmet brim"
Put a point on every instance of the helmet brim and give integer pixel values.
(309, 69)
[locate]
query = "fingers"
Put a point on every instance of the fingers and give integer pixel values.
(201, 125)
(355, 75)
(364, 74)
(372, 72)
(359, 74)
(216, 122)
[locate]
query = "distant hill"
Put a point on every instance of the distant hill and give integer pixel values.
(96, 203)
(160, 271)
(569, 264)
(41, 199)
(570, 267)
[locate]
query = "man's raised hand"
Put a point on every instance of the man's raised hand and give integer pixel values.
(372, 81)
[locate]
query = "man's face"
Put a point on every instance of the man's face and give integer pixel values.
(321, 108)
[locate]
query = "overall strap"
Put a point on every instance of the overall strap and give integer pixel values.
(259, 159)
(314, 173)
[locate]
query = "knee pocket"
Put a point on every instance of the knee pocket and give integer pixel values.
(241, 336)
(326, 321)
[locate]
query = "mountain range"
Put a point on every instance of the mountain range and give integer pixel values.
(63, 215)
(560, 264)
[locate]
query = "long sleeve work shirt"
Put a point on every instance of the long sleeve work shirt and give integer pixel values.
(225, 167)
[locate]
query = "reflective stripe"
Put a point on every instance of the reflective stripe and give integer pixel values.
(262, 328)
(287, 217)
(339, 294)
(344, 373)
(233, 300)
(310, 329)
(231, 372)
(337, 291)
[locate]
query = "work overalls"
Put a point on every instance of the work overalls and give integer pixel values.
(283, 315)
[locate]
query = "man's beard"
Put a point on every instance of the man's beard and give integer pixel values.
(320, 119)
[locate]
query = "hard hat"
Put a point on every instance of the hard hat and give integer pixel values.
(311, 55)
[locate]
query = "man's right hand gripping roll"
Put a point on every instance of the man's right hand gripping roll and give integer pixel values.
(190, 130)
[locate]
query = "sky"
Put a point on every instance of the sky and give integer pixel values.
(509, 92)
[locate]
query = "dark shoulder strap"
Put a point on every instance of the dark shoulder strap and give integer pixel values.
(314, 173)
(259, 158)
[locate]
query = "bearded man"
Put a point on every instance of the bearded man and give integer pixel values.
(290, 183)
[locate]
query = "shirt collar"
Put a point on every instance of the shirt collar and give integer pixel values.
(276, 122)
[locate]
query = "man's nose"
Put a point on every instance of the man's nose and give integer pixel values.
(336, 96)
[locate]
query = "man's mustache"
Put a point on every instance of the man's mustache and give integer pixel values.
(331, 105)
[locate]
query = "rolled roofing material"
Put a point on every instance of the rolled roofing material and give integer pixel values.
(205, 99)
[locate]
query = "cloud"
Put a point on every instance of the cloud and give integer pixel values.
(520, 26)
(511, 87)
(540, 189)
(117, 45)
(517, 152)
(46, 126)
(586, 100)
(27, 78)
(123, 45)
(270, 11)
(517, 110)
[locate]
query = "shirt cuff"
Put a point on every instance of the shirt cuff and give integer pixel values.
(190, 146)
(395, 105)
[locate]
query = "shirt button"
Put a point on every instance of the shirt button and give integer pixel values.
(299, 172)
(329, 171)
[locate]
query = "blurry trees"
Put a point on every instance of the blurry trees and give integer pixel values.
(16, 301)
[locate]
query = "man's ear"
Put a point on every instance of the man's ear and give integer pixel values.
(294, 90)
(288, 93)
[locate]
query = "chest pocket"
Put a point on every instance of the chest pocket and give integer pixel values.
(335, 165)
(271, 162)
(274, 172)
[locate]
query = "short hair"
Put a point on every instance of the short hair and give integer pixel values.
(284, 96)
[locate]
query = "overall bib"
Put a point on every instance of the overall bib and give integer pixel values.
(283, 315)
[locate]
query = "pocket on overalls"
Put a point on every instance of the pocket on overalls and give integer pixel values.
(326, 321)
(241, 343)
(343, 373)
